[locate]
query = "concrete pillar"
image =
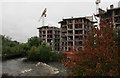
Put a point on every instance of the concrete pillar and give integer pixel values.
(67, 36)
(53, 39)
(83, 24)
(83, 27)
(60, 40)
(73, 34)
(113, 20)
(46, 35)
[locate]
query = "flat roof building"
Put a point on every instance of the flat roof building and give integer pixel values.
(73, 32)
(112, 14)
(50, 35)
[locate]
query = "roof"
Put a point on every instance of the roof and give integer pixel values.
(47, 27)
(73, 19)
(43, 27)
(108, 10)
(118, 8)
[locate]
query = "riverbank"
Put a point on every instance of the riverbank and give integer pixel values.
(17, 67)
(12, 56)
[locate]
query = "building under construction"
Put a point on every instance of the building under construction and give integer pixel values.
(73, 32)
(112, 14)
(50, 35)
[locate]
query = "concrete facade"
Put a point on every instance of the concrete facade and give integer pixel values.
(112, 14)
(73, 32)
(50, 35)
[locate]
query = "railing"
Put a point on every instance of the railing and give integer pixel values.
(79, 29)
(70, 39)
(69, 34)
(70, 28)
(78, 34)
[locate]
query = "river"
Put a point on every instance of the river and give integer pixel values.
(18, 67)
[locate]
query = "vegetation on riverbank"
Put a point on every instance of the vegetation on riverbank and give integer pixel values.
(40, 51)
(11, 49)
(34, 49)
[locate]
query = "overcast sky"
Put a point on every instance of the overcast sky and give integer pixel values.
(19, 19)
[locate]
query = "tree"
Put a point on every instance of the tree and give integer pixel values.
(8, 46)
(100, 55)
(40, 53)
(34, 41)
(33, 53)
(11, 48)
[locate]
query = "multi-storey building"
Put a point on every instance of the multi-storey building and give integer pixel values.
(112, 14)
(50, 35)
(73, 32)
(119, 4)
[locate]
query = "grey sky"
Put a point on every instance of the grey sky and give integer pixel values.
(20, 19)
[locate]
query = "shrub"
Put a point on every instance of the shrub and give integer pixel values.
(54, 56)
(39, 53)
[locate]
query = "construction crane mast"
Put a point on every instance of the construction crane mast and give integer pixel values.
(97, 6)
(42, 17)
(97, 12)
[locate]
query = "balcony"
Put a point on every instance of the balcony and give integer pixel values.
(79, 29)
(63, 35)
(70, 45)
(78, 46)
(64, 25)
(117, 23)
(49, 38)
(70, 40)
(118, 27)
(70, 28)
(69, 34)
(117, 15)
(64, 31)
(117, 20)
(78, 34)
(43, 37)
(49, 33)
(64, 45)
(78, 40)
(78, 23)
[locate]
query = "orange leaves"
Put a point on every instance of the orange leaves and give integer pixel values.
(77, 59)
(69, 62)
(89, 72)
(100, 51)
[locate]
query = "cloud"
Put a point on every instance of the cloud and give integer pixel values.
(20, 19)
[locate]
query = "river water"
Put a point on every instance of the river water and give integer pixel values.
(18, 67)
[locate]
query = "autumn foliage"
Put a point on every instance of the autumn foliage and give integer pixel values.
(99, 56)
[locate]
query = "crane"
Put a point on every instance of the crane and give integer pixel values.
(97, 12)
(42, 17)
(97, 5)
